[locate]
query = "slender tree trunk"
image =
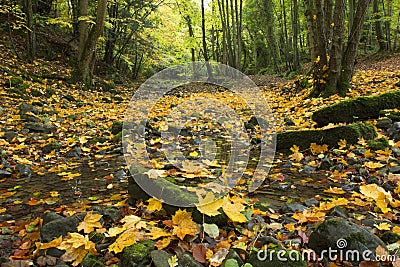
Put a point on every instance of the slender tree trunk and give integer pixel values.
(295, 29)
(378, 27)
(112, 35)
(203, 30)
(83, 26)
(350, 54)
(31, 36)
(335, 62)
(221, 8)
(396, 33)
(270, 34)
(87, 50)
(309, 13)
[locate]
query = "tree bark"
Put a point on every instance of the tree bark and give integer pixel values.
(87, 49)
(378, 27)
(349, 57)
(31, 35)
(203, 30)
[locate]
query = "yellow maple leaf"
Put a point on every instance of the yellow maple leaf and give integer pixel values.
(114, 231)
(154, 204)
(52, 244)
(130, 221)
(318, 149)
(126, 239)
(383, 226)
(233, 209)
(156, 233)
(335, 190)
(76, 247)
(208, 205)
(90, 222)
(372, 190)
(163, 243)
(342, 143)
(184, 225)
(296, 156)
(382, 202)
(396, 230)
(373, 165)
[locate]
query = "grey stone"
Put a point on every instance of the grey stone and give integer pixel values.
(384, 123)
(232, 254)
(61, 226)
(293, 207)
(25, 108)
(186, 260)
(394, 169)
(269, 258)
(339, 212)
(4, 174)
(9, 136)
(160, 258)
(40, 127)
(308, 170)
(24, 171)
(311, 202)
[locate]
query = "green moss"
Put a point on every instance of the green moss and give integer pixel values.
(364, 107)
(116, 127)
(98, 139)
(390, 237)
(332, 222)
(16, 81)
(91, 260)
(117, 137)
(36, 93)
(137, 254)
(378, 144)
(356, 237)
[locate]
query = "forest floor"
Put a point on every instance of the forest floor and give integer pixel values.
(61, 152)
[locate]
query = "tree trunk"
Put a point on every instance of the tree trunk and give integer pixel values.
(350, 53)
(87, 50)
(295, 19)
(378, 27)
(203, 30)
(335, 62)
(31, 36)
(112, 35)
(270, 34)
(396, 33)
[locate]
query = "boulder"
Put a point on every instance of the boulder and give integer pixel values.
(345, 237)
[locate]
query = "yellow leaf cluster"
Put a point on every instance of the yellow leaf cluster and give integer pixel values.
(154, 204)
(296, 156)
(183, 224)
(90, 222)
(76, 247)
(318, 149)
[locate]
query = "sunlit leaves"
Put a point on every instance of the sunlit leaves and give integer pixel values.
(90, 222)
(154, 204)
(76, 247)
(296, 156)
(208, 205)
(183, 224)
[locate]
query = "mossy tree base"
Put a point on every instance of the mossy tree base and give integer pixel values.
(360, 108)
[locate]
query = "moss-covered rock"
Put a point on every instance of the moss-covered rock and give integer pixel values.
(169, 192)
(91, 260)
(360, 108)
(339, 234)
(378, 144)
(137, 255)
(331, 136)
(15, 81)
(116, 127)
